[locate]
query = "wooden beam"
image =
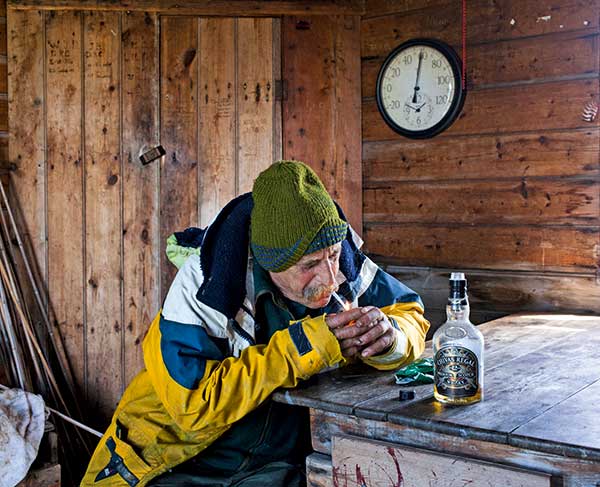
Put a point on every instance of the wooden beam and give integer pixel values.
(233, 8)
(356, 460)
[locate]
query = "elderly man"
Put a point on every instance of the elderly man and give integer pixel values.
(252, 309)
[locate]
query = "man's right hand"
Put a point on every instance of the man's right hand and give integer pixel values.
(350, 326)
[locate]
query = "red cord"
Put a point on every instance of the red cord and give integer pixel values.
(464, 44)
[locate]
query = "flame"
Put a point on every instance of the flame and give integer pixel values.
(342, 302)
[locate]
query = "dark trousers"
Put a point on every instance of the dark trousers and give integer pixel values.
(276, 474)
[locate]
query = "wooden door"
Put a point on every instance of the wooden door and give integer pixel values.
(89, 91)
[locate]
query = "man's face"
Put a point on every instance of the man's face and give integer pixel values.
(312, 280)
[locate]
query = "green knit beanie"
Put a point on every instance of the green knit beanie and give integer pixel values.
(293, 215)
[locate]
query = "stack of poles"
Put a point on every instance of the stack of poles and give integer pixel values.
(35, 358)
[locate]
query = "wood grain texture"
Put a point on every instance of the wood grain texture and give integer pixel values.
(203, 7)
(140, 112)
(566, 249)
(277, 108)
(359, 462)
(179, 132)
(563, 55)
(107, 216)
(503, 291)
(362, 391)
(3, 37)
(26, 137)
(341, 390)
(564, 430)
(504, 346)
(325, 425)
(521, 383)
(487, 22)
(103, 207)
(346, 186)
(255, 100)
(318, 471)
(378, 8)
(3, 114)
(4, 156)
(523, 202)
(531, 68)
(65, 187)
(308, 111)
(492, 111)
(217, 112)
(526, 383)
(47, 476)
(3, 75)
(316, 110)
(560, 153)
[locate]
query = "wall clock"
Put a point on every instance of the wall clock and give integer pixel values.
(419, 89)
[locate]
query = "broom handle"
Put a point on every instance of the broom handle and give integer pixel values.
(67, 418)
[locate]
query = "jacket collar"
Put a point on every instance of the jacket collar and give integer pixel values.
(224, 258)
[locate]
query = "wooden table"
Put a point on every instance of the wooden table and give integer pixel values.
(538, 425)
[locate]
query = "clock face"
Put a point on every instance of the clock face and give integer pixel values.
(419, 89)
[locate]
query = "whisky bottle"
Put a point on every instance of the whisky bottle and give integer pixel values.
(458, 351)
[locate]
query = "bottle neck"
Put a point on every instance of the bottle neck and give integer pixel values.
(458, 309)
(457, 315)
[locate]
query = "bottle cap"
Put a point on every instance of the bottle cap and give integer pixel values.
(457, 276)
(406, 395)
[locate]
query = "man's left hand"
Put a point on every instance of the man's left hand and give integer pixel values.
(369, 335)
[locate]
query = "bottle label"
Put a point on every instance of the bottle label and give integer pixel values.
(456, 372)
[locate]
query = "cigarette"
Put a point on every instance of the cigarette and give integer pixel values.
(344, 304)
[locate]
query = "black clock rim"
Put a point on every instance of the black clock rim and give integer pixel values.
(459, 94)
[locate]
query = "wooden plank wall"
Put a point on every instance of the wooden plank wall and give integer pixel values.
(321, 115)
(3, 89)
(89, 92)
(510, 193)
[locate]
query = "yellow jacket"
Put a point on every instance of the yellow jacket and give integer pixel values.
(192, 391)
(152, 432)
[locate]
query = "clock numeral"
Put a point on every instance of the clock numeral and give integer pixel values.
(407, 59)
(436, 63)
(388, 87)
(395, 104)
(443, 80)
(441, 99)
(395, 73)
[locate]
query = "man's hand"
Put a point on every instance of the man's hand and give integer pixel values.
(366, 330)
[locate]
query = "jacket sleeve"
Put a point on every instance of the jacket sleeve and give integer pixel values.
(199, 386)
(405, 310)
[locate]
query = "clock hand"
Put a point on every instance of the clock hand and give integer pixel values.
(414, 99)
(409, 106)
(418, 109)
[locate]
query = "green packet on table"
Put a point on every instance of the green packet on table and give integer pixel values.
(417, 373)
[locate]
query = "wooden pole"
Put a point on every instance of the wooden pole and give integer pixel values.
(66, 418)
(12, 340)
(60, 350)
(36, 366)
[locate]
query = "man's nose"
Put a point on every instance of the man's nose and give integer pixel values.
(327, 273)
